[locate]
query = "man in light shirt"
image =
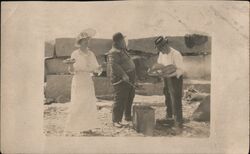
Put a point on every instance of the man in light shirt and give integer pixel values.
(172, 82)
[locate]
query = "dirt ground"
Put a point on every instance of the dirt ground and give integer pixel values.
(55, 116)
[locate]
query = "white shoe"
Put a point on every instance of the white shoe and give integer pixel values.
(125, 123)
(117, 124)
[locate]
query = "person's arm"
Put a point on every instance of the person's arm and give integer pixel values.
(156, 70)
(94, 66)
(115, 69)
(94, 62)
(158, 66)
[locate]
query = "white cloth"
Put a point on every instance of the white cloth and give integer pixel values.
(83, 114)
(173, 57)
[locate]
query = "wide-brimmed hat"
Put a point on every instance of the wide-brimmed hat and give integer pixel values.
(160, 42)
(118, 36)
(85, 34)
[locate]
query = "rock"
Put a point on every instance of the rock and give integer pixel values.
(103, 88)
(178, 43)
(100, 46)
(195, 39)
(49, 48)
(56, 66)
(58, 85)
(45, 73)
(64, 46)
(157, 88)
(105, 97)
(49, 101)
(165, 122)
(150, 89)
(198, 96)
(143, 44)
(62, 99)
(202, 86)
(202, 113)
(141, 68)
(192, 94)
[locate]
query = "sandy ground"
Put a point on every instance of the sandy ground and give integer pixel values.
(56, 114)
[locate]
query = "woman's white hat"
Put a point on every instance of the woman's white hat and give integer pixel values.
(87, 33)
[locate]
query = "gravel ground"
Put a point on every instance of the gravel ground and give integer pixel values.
(56, 114)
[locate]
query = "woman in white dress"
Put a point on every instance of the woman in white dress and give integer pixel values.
(83, 115)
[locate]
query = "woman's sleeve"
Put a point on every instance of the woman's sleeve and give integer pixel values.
(94, 63)
(77, 66)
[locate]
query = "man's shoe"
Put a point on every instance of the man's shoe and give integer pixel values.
(125, 123)
(117, 125)
(168, 122)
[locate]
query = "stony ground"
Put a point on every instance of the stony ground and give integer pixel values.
(56, 114)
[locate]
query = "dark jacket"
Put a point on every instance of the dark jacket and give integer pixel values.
(119, 64)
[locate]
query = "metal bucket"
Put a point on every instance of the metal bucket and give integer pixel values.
(144, 119)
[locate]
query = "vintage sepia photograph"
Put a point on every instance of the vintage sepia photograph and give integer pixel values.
(125, 77)
(158, 85)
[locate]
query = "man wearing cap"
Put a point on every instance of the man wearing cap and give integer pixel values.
(172, 82)
(122, 73)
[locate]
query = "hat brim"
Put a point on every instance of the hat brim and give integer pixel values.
(122, 38)
(161, 45)
(91, 32)
(77, 41)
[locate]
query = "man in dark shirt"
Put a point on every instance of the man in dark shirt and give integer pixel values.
(121, 70)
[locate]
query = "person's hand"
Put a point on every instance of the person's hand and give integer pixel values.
(157, 66)
(125, 78)
(69, 61)
(99, 70)
(152, 72)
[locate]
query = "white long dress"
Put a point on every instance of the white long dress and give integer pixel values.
(83, 114)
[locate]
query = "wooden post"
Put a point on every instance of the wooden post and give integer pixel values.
(144, 119)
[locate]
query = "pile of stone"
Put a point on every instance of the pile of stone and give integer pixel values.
(202, 112)
(58, 80)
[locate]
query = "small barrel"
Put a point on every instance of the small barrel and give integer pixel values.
(144, 119)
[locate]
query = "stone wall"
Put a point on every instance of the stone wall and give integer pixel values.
(49, 48)
(58, 79)
(58, 87)
(56, 66)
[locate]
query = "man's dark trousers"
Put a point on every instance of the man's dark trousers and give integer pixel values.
(173, 98)
(124, 95)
